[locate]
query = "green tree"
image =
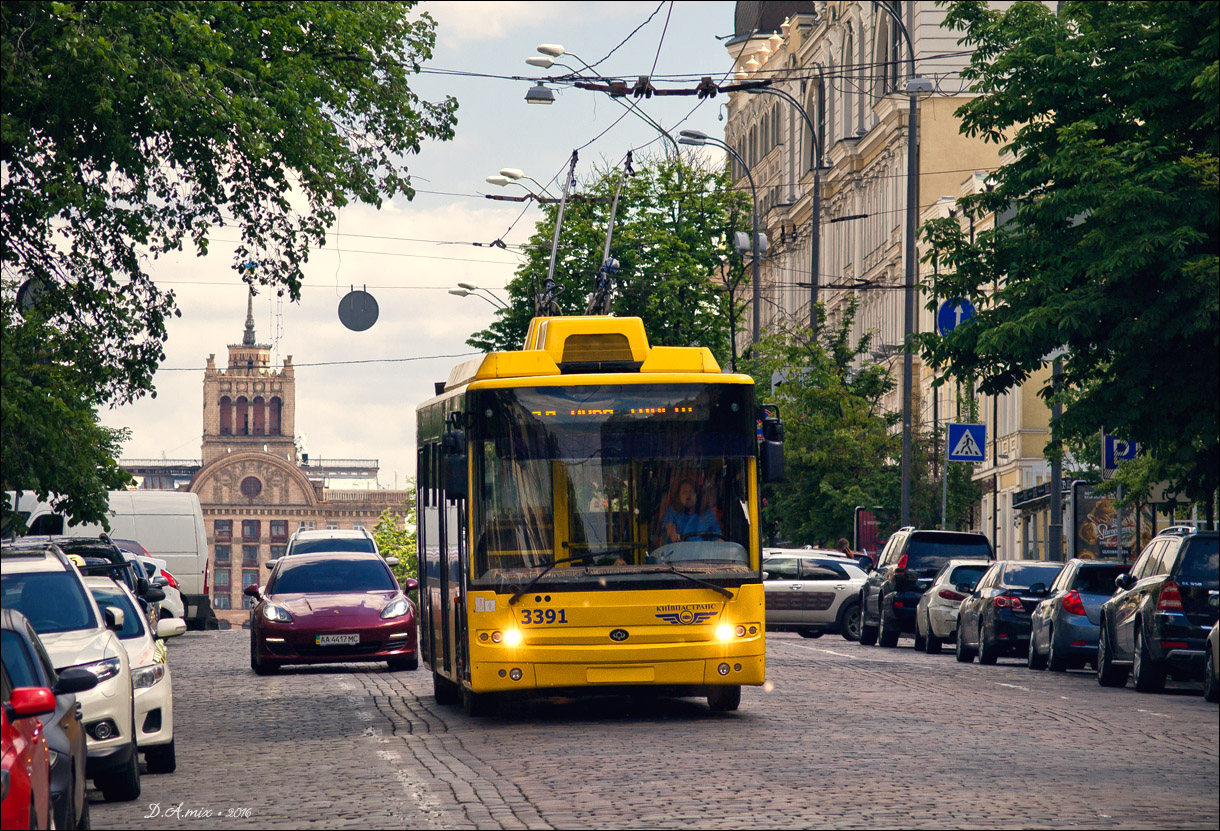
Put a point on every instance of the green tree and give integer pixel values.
(395, 536)
(131, 129)
(1109, 112)
(672, 238)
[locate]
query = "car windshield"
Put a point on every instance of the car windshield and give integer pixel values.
(332, 577)
(603, 485)
(1023, 576)
(51, 601)
(967, 574)
(112, 597)
(930, 551)
(1098, 579)
(1201, 563)
(336, 544)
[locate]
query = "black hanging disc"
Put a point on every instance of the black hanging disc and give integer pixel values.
(358, 310)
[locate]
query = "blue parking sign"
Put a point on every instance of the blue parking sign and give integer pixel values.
(966, 442)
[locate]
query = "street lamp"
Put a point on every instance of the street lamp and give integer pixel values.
(514, 173)
(914, 87)
(540, 93)
(472, 289)
(695, 138)
(816, 241)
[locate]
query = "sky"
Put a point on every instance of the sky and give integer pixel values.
(358, 399)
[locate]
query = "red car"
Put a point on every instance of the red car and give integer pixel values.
(27, 763)
(332, 607)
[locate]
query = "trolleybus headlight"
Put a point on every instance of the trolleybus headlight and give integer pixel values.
(512, 637)
(515, 674)
(496, 637)
(483, 636)
(724, 632)
(723, 669)
(741, 631)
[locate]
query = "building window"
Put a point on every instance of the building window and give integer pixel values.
(306, 525)
(358, 525)
(251, 529)
(279, 530)
(332, 526)
(226, 416)
(223, 530)
(278, 551)
(260, 416)
(249, 555)
(222, 555)
(273, 417)
(222, 601)
(249, 577)
(251, 487)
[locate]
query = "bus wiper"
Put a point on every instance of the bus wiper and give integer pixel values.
(512, 600)
(691, 577)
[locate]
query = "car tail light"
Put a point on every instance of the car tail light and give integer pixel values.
(901, 568)
(1006, 602)
(1171, 598)
(207, 577)
(949, 594)
(173, 581)
(1174, 645)
(1072, 604)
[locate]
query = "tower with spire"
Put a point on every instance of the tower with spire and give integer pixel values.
(249, 405)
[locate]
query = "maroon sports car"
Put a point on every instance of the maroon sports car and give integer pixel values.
(332, 607)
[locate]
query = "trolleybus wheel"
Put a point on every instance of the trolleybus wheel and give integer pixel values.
(477, 705)
(722, 699)
(446, 691)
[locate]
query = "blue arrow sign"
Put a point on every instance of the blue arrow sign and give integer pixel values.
(953, 313)
(966, 442)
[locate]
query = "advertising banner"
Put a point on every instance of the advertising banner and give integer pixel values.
(1100, 533)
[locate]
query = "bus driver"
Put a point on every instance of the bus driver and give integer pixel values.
(684, 520)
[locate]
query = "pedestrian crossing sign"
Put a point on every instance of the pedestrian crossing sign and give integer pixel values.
(966, 442)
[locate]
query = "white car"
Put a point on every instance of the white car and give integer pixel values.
(154, 567)
(150, 676)
(37, 579)
(812, 592)
(936, 613)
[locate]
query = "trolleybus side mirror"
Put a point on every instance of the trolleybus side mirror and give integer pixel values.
(771, 446)
(454, 442)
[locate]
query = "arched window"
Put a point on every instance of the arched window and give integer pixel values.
(849, 82)
(242, 427)
(274, 408)
(226, 416)
(260, 417)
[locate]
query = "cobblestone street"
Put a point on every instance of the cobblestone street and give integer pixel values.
(847, 736)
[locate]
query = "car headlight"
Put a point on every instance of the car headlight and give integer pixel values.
(276, 613)
(104, 669)
(144, 677)
(398, 608)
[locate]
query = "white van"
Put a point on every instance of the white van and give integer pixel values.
(169, 524)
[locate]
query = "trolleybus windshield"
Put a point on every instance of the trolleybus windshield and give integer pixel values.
(611, 485)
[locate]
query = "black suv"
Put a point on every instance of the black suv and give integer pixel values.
(908, 564)
(1156, 623)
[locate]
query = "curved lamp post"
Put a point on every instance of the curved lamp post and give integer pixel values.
(472, 290)
(694, 138)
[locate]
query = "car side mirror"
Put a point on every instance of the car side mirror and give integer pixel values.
(251, 591)
(160, 582)
(114, 618)
(1124, 580)
(29, 701)
(410, 584)
(270, 564)
(153, 595)
(74, 680)
(143, 586)
(391, 561)
(766, 575)
(170, 627)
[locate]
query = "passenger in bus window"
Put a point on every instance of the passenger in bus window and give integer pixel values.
(684, 520)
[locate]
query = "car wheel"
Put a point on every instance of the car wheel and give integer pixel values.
(1108, 675)
(850, 620)
(887, 634)
(986, 655)
(1055, 661)
(1211, 687)
(446, 691)
(964, 654)
(161, 759)
(723, 699)
(84, 822)
(1148, 673)
(123, 785)
(409, 664)
(477, 705)
(921, 643)
(1035, 659)
(260, 665)
(932, 644)
(809, 633)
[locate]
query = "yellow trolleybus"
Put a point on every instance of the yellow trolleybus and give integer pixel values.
(588, 520)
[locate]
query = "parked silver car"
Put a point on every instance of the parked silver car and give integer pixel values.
(936, 613)
(812, 592)
(1064, 627)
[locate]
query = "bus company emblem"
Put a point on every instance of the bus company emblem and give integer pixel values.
(686, 615)
(618, 635)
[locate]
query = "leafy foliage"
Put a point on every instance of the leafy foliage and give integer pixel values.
(130, 128)
(1110, 114)
(672, 238)
(395, 536)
